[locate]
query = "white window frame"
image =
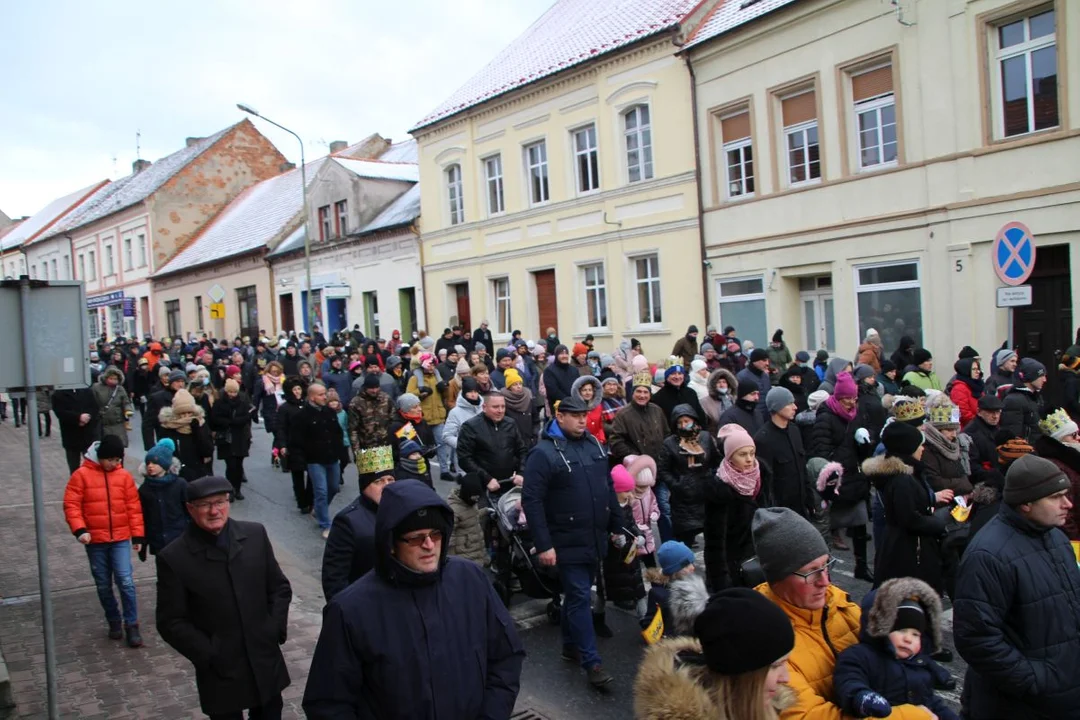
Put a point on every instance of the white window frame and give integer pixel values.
(738, 146)
(540, 167)
(142, 250)
(454, 197)
(722, 299)
(129, 255)
(803, 129)
(915, 284)
(596, 294)
(91, 264)
(1026, 49)
(590, 155)
(655, 293)
(55, 270)
(642, 135)
(876, 105)
(501, 301)
(110, 261)
(341, 211)
(494, 187)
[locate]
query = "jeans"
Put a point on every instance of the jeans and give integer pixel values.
(111, 562)
(663, 501)
(325, 482)
(577, 621)
(444, 449)
(270, 711)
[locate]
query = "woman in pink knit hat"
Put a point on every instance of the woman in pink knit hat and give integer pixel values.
(731, 498)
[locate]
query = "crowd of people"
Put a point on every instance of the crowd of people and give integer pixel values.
(623, 464)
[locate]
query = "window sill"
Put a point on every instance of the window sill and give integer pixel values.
(588, 193)
(595, 332)
(880, 166)
(648, 330)
(739, 198)
(804, 183)
(1029, 138)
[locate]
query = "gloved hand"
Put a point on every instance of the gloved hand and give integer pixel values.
(424, 392)
(618, 541)
(429, 451)
(862, 436)
(639, 541)
(869, 704)
(441, 386)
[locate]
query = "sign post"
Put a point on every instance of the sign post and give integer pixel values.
(1013, 256)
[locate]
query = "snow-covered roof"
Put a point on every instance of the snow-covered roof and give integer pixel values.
(248, 223)
(405, 152)
(45, 219)
(727, 16)
(295, 241)
(380, 170)
(569, 33)
(135, 188)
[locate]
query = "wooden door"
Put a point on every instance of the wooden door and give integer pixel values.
(547, 303)
(288, 319)
(1045, 327)
(462, 295)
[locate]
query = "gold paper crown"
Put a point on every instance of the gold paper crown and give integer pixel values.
(944, 414)
(906, 409)
(1055, 422)
(642, 379)
(376, 460)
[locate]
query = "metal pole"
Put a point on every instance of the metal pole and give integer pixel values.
(39, 502)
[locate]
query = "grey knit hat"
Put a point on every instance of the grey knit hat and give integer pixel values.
(407, 401)
(1032, 478)
(177, 375)
(861, 372)
(784, 541)
(778, 399)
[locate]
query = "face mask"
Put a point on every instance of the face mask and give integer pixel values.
(722, 390)
(688, 431)
(206, 381)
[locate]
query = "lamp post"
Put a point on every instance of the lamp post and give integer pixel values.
(307, 230)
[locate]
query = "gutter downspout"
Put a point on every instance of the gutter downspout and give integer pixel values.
(700, 192)
(423, 283)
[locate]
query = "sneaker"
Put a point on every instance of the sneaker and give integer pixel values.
(571, 654)
(326, 533)
(116, 630)
(598, 677)
(238, 495)
(134, 639)
(306, 510)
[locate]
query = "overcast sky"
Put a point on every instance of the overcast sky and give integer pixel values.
(78, 79)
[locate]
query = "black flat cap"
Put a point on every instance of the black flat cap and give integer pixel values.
(207, 486)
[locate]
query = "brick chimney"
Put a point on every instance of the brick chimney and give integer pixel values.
(286, 167)
(139, 165)
(192, 140)
(337, 146)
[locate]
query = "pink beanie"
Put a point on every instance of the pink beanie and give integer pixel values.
(642, 468)
(639, 364)
(734, 436)
(620, 476)
(845, 387)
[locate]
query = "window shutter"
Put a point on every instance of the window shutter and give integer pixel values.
(735, 127)
(799, 108)
(871, 84)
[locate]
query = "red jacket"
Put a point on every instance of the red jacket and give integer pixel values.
(104, 504)
(594, 423)
(961, 396)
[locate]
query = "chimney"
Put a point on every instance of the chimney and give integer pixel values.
(192, 140)
(139, 165)
(286, 167)
(337, 146)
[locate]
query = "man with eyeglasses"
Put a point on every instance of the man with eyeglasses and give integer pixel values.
(421, 636)
(223, 603)
(796, 564)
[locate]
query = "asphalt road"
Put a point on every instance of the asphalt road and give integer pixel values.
(550, 686)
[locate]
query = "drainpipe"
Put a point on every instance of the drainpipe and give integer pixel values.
(71, 253)
(423, 286)
(700, 192)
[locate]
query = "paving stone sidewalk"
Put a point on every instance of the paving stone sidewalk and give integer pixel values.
(98, 677)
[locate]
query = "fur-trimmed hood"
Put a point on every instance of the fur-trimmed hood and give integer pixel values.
(686, 599)
(880, 609)
(113, 371)
(669, 686)
(732, 383)
(598, 390)
(882, 465)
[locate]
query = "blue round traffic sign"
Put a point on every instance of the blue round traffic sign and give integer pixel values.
(1013, 254)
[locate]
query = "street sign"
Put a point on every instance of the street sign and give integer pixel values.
(1019, 296)
(216, 293)
(217, 311)
(1013, 254)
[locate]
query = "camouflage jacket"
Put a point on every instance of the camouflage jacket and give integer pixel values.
(369, 420)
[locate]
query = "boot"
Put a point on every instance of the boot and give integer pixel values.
(862, 571)
(134, 639)
(858, 540)
(116, 630)
(598, 677)
(600, 626)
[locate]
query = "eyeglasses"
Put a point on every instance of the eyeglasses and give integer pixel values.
(419, 540)
(215, 504)
(811, 577)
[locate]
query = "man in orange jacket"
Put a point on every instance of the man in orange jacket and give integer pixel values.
(102, 508)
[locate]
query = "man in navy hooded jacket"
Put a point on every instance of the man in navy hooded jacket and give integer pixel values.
(424, 635)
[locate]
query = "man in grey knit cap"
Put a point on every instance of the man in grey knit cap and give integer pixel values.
(782, 456)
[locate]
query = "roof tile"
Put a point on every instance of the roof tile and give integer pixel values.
(729, 15)
(46, 219)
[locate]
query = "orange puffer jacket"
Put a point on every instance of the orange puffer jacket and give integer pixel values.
(104, 504)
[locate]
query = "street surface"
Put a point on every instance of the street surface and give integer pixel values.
(103, 679)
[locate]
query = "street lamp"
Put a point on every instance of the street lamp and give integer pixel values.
(307, 230)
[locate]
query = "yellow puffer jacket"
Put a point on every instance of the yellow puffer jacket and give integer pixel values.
(432, 405)
(814, 658)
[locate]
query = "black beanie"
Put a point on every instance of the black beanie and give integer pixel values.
(429, 517)
(778, 336)
(910, 615)
(111, 448)
(371, 380)
(901, 439)
(921, 355)
(741, 630)
(967, 352)
(758, 354)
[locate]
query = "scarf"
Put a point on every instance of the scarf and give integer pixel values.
(977, 386)
(414, 467)
(271, 384)
(690, 441)
(181, 423)
(518, 402)
(950, 449)
(746, 483)
(609, 406)
(842, 412)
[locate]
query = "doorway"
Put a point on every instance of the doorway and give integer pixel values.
(1045, 327)
(547, 301)
(336, 315)
(407, 308)
(460, 294)
(816, 298)
(248, 310)
(288, 319)
(371, 313)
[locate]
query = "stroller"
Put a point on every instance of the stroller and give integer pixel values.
(515, 555)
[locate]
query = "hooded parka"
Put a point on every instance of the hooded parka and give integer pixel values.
(114, 404)
(685, 465)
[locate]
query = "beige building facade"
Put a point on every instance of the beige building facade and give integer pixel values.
(858, 161)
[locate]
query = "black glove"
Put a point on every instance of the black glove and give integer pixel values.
(441, 386)
(429, 451)
(424, 392)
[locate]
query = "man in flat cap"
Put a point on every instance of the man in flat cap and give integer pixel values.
(223, 603)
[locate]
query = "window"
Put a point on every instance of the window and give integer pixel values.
(172, 317)
(1026, 60)
(198, 313)
(247, 307)
(55, 274)
(595, 296)
(536, 164)
(742, 305)
(110, 265)
(129, 256)
(324, 223)
(66, 267)
(371, 313)
(889, 299)
(801, 137)
(647, 285)
(500, 290)
(738, 154)
(638, 133)
(341, 213)
(493, 175)
(45, 270)
(586, 159)
(91, 266)
(875, 117)
(453, 190)
(142, 250)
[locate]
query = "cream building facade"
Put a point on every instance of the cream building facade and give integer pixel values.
(858, 160)
(569, 201)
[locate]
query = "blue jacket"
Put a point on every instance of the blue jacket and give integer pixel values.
(340, 381)
(1017, 621)
(569, 498)
(399, 644)
(872, 665)
(350, 548)
(164, 511)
